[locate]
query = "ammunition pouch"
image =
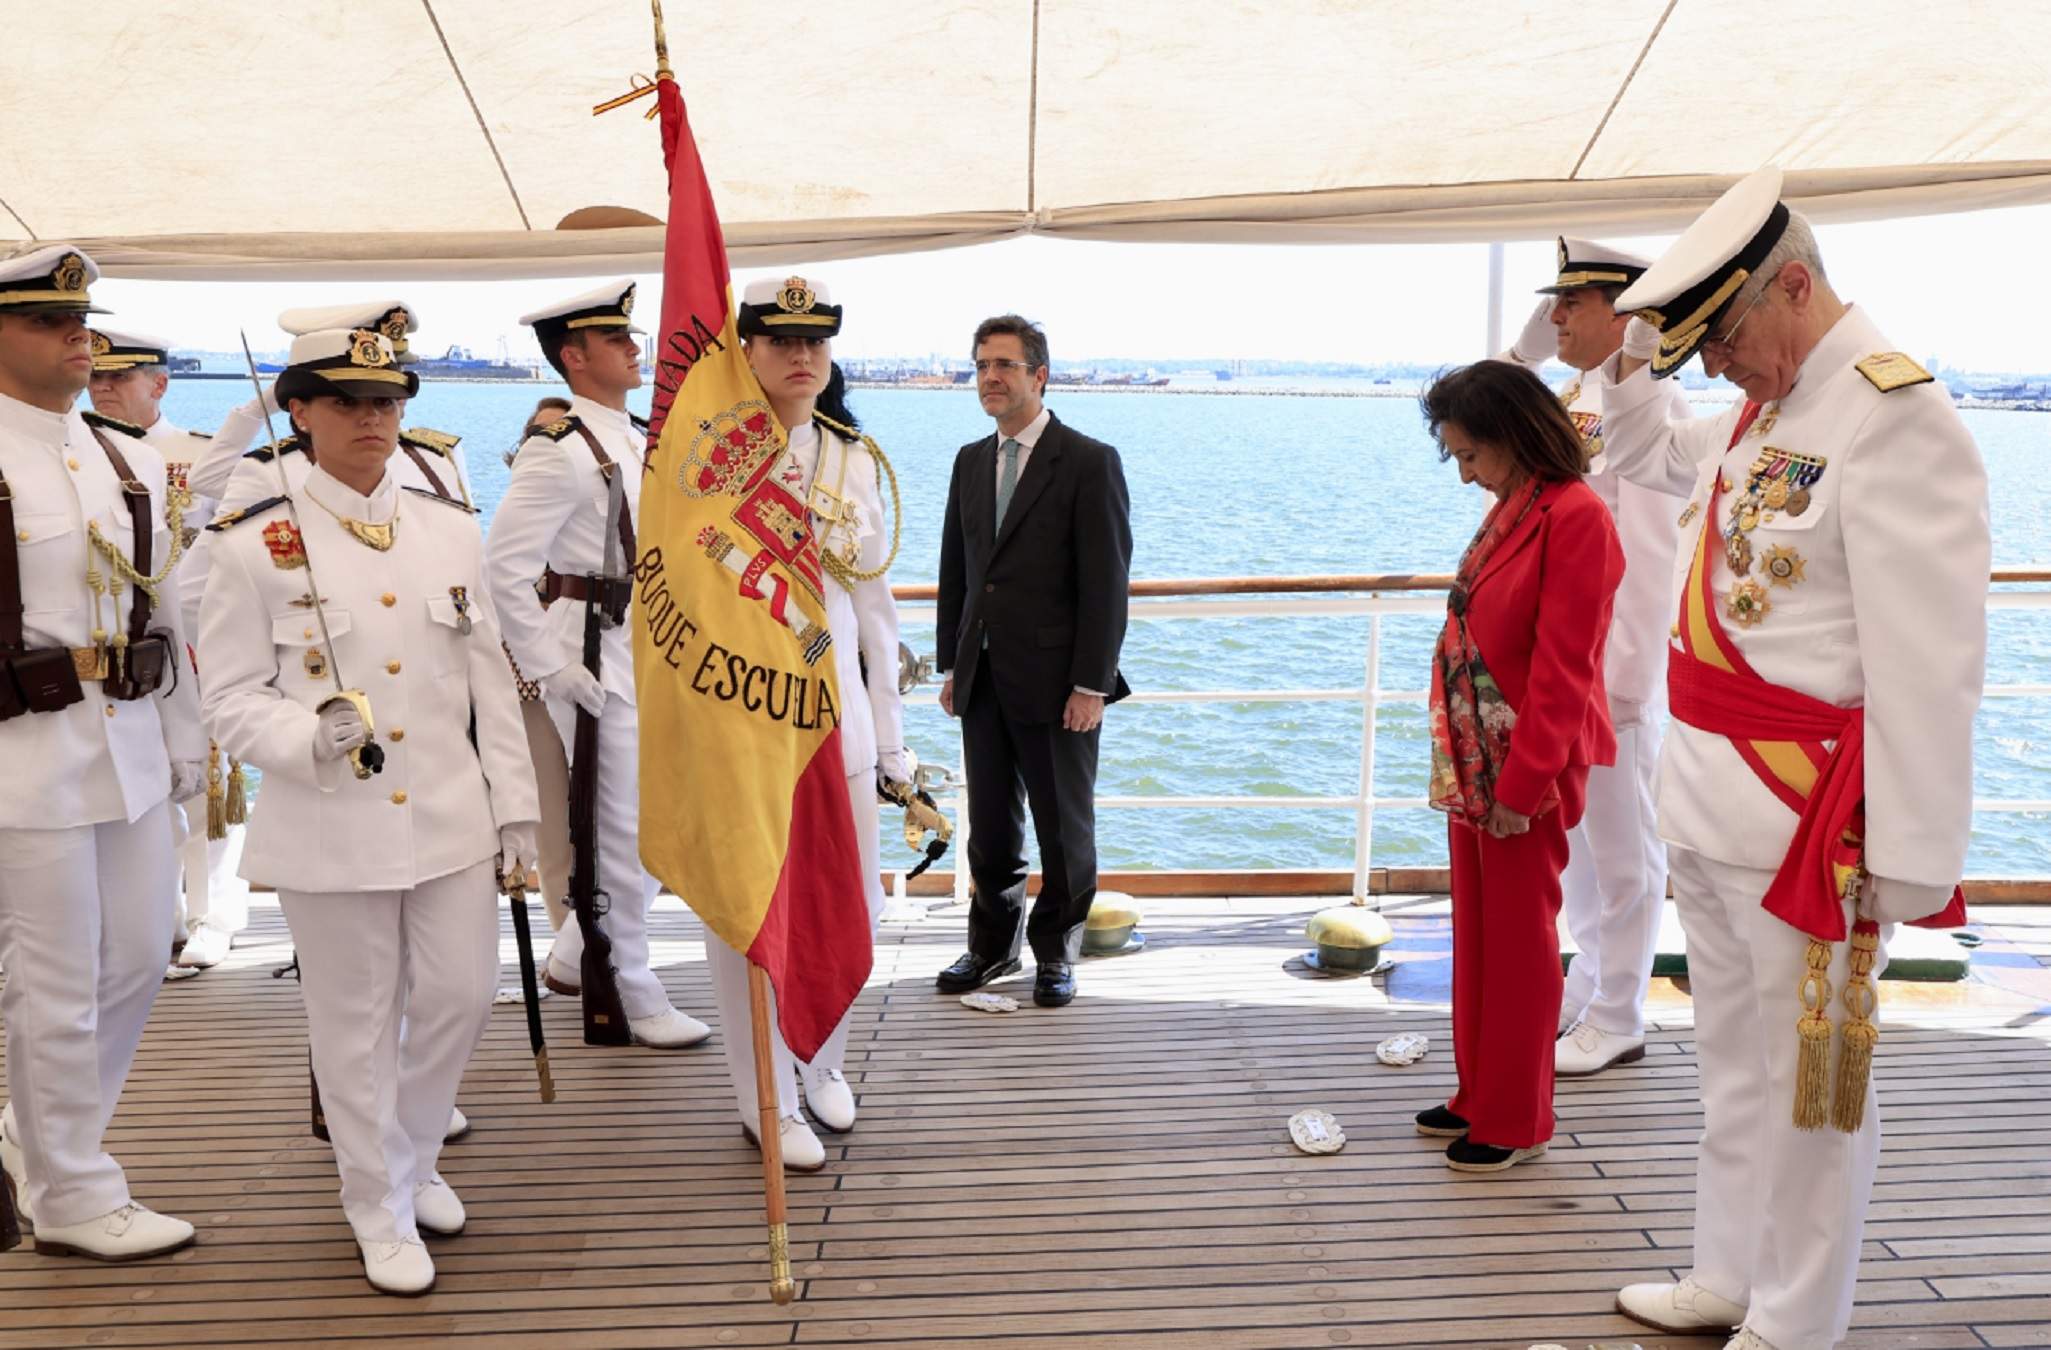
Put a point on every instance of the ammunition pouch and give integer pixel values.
(142, 667)
(39, 681)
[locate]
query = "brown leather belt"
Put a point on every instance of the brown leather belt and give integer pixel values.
(553, 586)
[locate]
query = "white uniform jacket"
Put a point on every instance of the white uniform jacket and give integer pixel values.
(553, 515)
(1889, 610)
(182, 449)
(1634, 664)
(256, 479)
(97, 760)
(395, 618)
(862, 620)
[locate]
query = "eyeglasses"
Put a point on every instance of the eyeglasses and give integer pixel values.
(1730, 335)
(984, 367)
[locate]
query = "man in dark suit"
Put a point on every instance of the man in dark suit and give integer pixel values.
(1033, 566)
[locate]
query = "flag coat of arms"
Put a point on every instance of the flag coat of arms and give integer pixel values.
(744, 807)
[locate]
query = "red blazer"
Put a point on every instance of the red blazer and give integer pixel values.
(1540, 614)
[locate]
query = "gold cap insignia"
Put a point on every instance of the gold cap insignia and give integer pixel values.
(394, 325)
(796, 296)
(627, 302)
(1563, 253)
(70, 273)
(366, 350)
(100, 344)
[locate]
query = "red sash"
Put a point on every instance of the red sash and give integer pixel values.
(1808, 753)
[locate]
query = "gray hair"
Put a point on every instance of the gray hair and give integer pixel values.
(1797, 243)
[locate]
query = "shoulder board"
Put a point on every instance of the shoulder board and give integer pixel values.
(559, 428)
(222, 522)
(200, 435)
(445, 501)
(264, 454)
(1889, 371)
(427, 438)
(94, 419)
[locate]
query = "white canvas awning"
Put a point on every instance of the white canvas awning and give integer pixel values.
(320, 139)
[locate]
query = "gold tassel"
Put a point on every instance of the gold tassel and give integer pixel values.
(1855, 1060)
(1812, 1068)
(217, 819)
(238, 793)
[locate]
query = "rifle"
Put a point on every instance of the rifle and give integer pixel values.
(605, 1016)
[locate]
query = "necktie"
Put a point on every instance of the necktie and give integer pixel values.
(1007, 477)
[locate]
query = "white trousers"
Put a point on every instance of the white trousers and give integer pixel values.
(213, 890)
(620, 874)
(398, 988)
(1614, 887)
(85, 921)
(1778, 1211)
(730, 981)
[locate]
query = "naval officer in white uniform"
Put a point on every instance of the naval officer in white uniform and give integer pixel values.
(1830, 599)
(131, 374)
(387, 878)
(1614, 887)
(547, 535)
(99, 733)
(787, 327)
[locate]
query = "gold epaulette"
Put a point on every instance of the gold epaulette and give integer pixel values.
(558, 429)
(443, 443)
(264, 454)
(437, 497)
(1889, 371)
(222, 522)
(93, 419)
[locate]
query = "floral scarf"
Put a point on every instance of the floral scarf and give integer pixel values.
(1471, 721)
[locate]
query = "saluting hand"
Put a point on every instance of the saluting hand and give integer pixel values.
(1085, 712)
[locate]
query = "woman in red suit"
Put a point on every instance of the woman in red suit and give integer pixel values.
(1517, 716)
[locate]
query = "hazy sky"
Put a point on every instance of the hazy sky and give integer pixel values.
(1972, 290)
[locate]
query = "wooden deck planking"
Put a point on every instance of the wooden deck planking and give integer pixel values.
(1114, 1174)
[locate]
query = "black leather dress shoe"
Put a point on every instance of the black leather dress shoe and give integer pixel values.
(970, 971)
(1054, 984)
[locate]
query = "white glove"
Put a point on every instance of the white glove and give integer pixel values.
(579, 686)
(892, 765)
(519, 849)
(1540, 341)
(188, 779)
(339, 731)
(1889, 901)
(1641, 339)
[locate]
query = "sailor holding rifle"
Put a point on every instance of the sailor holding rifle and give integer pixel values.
(383, 826)
(131, 374)
(1816, 787)
(569, 510)
(99, 733)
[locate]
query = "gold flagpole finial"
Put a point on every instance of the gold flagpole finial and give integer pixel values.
(662, 70)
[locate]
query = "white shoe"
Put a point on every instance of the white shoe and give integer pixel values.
(206, 947)
(832, 1103)
(559, 978)
(459, 1125)
(802, 1151)
(130, 1233)
(1589, 1049)
(437, 1209)
(175, 972)
(668, 1030)
(1748, 1339)
(15, 1167)
(403, 1268)
(1684, 1309)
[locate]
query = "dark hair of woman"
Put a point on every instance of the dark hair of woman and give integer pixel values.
(832, 400)
(1506, 406)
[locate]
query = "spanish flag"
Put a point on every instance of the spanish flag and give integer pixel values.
(744, 807)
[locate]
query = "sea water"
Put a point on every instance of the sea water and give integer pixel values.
(1291, 483)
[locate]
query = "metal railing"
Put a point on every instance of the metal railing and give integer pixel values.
(1374, 597)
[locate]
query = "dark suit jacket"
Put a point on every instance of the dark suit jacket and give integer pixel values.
(1540, 613)
(1049, 589)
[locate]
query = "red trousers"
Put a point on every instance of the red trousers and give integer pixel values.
(1506, 974)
